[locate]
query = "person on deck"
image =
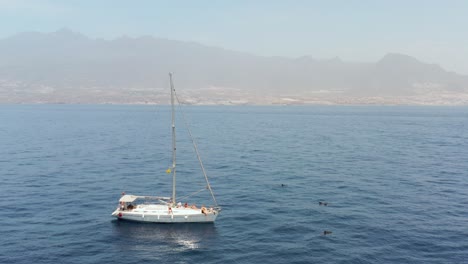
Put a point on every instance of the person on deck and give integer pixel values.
(203, 210)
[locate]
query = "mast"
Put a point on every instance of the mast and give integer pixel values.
(173, 143)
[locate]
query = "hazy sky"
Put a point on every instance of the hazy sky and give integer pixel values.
(432, 31)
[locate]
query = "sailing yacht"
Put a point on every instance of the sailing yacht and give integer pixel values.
(159, 209)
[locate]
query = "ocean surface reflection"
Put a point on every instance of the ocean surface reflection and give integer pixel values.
(147, 238)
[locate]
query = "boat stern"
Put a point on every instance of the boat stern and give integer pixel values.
(116, 213)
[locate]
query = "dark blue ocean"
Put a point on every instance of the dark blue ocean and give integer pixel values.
(395, 179)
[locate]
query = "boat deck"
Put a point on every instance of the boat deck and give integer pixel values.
(163, 214)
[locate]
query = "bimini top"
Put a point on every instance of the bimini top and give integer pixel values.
(128, 198)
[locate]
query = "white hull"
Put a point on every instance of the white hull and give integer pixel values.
(160, 214)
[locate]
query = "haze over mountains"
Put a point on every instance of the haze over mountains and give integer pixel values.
(68, 67)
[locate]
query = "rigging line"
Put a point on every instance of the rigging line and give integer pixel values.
(196, 148)
(192, 194)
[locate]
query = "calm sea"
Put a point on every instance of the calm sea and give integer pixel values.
(395, 179)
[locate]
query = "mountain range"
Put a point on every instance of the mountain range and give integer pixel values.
(68, 67)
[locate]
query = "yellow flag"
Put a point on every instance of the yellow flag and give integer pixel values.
(168, 170)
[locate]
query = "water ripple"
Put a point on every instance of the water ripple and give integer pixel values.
(394, 179)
